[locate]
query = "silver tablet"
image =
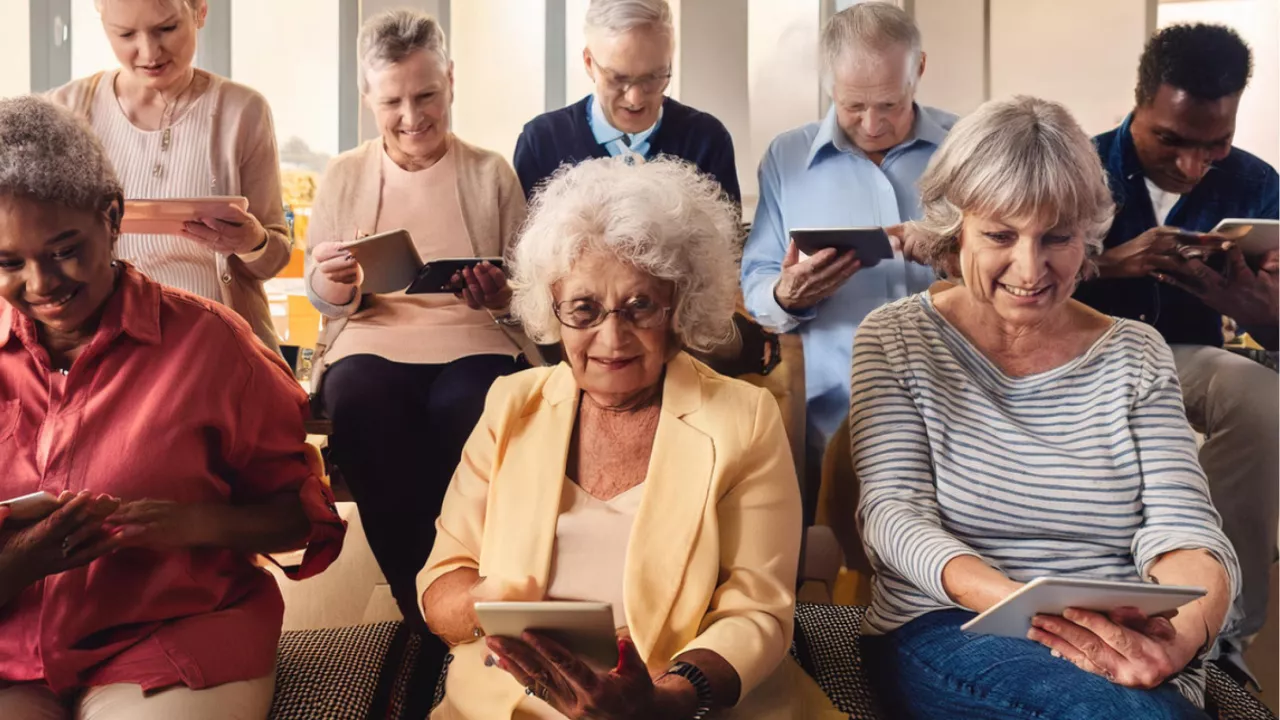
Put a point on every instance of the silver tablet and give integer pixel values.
(584, 628)
(1254, 237)
(1051, 595)
(388, 261)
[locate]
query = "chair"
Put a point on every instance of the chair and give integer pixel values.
(827, 647)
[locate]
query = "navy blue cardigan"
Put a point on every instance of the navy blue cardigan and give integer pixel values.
(564, 136)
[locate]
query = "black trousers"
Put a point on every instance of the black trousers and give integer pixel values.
(398, 433)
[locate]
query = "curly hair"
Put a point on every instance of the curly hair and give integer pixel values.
(1206, 61)
(50, 155)
(661, 216)
(1013, 158)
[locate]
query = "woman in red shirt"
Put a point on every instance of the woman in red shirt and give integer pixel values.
(174, 442)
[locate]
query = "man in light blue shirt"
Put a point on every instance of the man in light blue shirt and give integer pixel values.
(858, 167)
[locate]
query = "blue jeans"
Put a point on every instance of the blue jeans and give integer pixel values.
(929, 668)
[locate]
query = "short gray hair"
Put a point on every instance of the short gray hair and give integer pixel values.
(50, 155)
(1012, 158)
(391, 36)
(616, 17)
(661, 216)
(873, 26)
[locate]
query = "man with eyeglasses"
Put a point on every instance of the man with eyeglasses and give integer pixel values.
(629, 55)
(858, 167)
(1175, 174)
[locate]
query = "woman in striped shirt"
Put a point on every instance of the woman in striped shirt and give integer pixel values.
(1003, 431)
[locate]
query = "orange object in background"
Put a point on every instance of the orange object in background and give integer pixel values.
(303, 327)
(296, 264)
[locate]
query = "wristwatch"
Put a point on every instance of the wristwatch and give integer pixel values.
(700, 685)
(506, 320)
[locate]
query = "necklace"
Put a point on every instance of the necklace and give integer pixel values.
(166, 125)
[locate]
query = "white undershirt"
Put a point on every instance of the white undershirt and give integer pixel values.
(1161, 201)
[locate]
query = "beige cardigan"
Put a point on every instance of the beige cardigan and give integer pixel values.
(350, 199)
(245, 162)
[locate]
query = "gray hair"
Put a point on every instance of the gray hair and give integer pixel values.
(875, 27)
(50, 155)
(391, 36)
(615, 17)
(1013, 158)
(661, 216)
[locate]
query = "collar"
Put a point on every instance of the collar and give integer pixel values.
(133, 310)
(681, 387)
(925, 128)
(606, 133)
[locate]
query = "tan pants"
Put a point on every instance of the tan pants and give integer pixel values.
(246, 700)
(1234, 402)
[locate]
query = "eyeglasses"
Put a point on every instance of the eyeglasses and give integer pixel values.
(585, 313)
(621, 84)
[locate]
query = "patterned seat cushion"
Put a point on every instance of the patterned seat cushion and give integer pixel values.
(364, 671)
(826, 646)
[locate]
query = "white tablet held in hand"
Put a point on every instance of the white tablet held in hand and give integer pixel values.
(29, 508)
(1254, 237)
(584, 628)
(388, 261)
(1051, 595)
(166, 216)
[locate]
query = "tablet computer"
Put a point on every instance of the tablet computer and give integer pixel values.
(29, 508)
(870, 243)
(166, 216)
(1051, 595)
(388, 261)
(437, 275)
(1254, 237)
(584, 628)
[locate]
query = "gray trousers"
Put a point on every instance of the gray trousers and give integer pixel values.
(1235, 403)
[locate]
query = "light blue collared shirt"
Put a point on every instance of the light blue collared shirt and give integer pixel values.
(813, 177)
(611, 137)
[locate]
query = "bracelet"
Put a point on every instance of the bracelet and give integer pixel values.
(700, 684)
(506, 320)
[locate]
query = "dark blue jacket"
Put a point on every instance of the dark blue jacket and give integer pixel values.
(564, 136)
(1239, 186)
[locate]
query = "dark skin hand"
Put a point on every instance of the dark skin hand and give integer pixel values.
(70, 537)
(1239, 292)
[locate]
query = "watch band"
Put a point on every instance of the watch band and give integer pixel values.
(700, 684)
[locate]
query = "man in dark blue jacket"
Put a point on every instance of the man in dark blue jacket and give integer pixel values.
(629, 54)
(1175, 175)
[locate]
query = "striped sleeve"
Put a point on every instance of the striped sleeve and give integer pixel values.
(1178, 513)
(898, 506)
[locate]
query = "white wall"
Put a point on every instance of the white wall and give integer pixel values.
(288, 51)
(1258, 22)
(782, 76)
(1081, 53)
(499, 65)
(90, 49)
(716, 71)
(15, 48)
(953, 40)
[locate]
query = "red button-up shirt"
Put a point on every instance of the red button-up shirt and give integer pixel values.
(173, 399)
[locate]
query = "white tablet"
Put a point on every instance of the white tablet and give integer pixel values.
(1051, 595)
(584, 628)
(388, 261)
(1254, 237)
(29, 508)
(166, 216)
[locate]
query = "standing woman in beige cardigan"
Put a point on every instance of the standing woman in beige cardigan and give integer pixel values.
(404, 377)
(174, 131)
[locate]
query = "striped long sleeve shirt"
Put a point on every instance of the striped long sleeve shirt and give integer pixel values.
(1085, 470)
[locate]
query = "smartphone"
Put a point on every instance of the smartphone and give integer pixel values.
(870, 243)
(388, 261)
(583, 628)
(437, 275)
(33, 507)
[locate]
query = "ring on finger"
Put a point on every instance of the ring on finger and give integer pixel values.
(66, 546)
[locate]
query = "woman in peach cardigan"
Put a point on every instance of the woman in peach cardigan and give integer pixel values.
(172, 130)
(630, 474)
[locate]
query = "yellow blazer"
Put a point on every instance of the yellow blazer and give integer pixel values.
(713, 552)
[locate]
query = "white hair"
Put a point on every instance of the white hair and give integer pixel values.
(391, 36)
(615, 17)
(661, 216)
(49, 154)
(871, 27)
(1014, 158)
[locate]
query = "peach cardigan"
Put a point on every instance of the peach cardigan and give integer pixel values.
(245, 162)
(714, 547)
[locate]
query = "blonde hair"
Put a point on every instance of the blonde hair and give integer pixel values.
(192, 5)
(1014, 158)
(661, 216)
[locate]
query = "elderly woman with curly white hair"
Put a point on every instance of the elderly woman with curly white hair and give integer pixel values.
(629, 474)
(1003, 431)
